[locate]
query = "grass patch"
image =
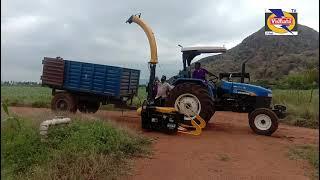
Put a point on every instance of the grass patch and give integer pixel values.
(309, 153)
(302, 106)
(80, 150)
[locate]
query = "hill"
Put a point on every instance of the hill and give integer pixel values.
(270, 57)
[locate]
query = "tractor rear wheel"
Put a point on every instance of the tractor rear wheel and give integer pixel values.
(195, 96)
(63, 102)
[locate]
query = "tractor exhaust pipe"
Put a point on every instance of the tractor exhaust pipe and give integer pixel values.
(243, 70)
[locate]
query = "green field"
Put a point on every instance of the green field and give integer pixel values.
(26, 96)
(303, 105)
(37, 96)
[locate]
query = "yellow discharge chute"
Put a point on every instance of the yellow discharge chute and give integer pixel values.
(152, 42)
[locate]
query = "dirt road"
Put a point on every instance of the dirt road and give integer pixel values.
(227, 149)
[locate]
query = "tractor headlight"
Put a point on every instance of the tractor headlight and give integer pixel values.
(269, 94)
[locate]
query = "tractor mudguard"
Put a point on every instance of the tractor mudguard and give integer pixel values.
(205, 84)
(190, 80)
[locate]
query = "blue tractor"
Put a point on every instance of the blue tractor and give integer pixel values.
(219, 93)
(197, 100)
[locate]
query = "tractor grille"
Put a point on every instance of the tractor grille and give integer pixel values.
(263, 102)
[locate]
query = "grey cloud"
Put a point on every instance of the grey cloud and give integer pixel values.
(95, 31)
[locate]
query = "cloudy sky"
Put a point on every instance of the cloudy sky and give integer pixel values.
(95, 31)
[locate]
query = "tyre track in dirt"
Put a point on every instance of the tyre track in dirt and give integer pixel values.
(227, 149)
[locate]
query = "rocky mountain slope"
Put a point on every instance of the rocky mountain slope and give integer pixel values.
(270, 57)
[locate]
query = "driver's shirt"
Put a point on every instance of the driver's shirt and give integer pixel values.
(200, 74)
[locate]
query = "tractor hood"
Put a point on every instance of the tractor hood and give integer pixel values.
(247, 89)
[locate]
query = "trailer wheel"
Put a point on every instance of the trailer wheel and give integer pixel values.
(93, 107)
(82, 107)
(88, 107)
(263, 121)
(63, 102)
(195, 96)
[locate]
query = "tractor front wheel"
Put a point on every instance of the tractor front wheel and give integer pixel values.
(263, 121)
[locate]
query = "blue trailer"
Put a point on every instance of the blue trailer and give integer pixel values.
(84, 86)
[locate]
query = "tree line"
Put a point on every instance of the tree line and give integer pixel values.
(20, 83)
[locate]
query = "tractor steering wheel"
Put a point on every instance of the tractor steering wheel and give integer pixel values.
(214, 79)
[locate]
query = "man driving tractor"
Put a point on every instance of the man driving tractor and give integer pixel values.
(200, 73)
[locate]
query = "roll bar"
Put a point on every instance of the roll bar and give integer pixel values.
(189, 53)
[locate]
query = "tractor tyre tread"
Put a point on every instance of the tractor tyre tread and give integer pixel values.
(207, 106)
(268, 112)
